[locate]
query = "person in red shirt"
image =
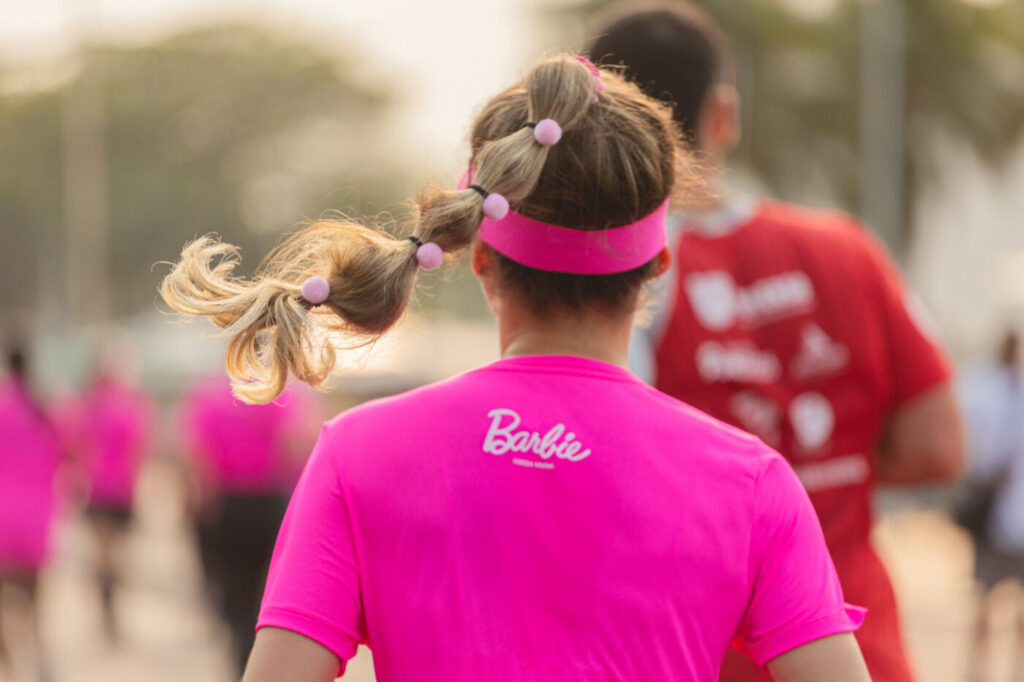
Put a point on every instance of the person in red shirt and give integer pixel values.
(792, 324)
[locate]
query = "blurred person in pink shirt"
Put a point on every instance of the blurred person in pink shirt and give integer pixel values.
(29, 459)
(108, 430)
(244, 461)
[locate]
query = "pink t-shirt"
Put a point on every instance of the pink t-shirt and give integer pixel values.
(242, 448)
(549, 518)
(29, 458)
(110, 430)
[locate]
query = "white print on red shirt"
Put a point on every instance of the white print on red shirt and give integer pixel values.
(758, 415)
(837, 472)
(813, 421)
(819, 355)
(718, 303)
(557, 442)
(736, 361)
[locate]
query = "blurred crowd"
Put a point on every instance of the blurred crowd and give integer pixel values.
(79, 455)
(76, 456)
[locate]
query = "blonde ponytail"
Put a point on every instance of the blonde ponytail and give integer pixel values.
(272, 331)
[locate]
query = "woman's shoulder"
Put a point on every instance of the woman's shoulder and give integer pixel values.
(685, 416)
(440, 407)
(405, 407)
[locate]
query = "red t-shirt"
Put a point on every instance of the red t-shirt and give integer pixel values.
(796, 326)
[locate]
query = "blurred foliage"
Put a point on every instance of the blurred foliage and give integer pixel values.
(231, 129)
(800, 77)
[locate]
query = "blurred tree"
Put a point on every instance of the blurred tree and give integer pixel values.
(800, 75)
(229, 129)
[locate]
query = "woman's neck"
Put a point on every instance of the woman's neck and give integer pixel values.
(589, 334)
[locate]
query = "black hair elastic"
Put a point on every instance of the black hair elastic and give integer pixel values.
(479, 190)
(415, 240)
(530, 124)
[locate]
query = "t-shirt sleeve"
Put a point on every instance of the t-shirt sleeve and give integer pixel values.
(313, 582)
(916, 359)
(795, 596)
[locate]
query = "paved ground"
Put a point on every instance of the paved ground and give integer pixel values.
(169, 634)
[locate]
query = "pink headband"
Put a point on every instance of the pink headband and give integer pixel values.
(580, 252)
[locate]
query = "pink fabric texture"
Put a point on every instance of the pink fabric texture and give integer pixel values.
(110, 431)
(559, 249)
(242, 448)
(107, 430)
(29, 457)
(549, 518)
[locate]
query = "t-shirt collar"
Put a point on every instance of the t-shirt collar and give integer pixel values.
(568, 364)
(736, 211)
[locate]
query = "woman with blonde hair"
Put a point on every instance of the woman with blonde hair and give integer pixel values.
(548, 516)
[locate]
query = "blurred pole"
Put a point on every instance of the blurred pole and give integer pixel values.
(85, 195)
(882, 95)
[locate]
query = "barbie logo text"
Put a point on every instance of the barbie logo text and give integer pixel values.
(502, 437)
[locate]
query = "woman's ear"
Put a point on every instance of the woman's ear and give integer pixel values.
(664, 261)
(484, 268)
(481, 260)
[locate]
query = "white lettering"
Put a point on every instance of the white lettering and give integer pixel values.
(718, 303)
(836, 472)
(819, 355)
(813, 421)
(492, 444)
(736, 362)
(774, 297)
(571, 449)
(502, 437)
(548, 445)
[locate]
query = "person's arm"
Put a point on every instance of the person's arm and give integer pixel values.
(284, 655)
(836, 659)
(313, 596)
(925, 440)
(796, 601)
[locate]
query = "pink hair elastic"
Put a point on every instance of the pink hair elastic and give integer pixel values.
(316, 289)
(580, 252)
(495, 206)
(594, 70)
(428, 254)
(546, 131)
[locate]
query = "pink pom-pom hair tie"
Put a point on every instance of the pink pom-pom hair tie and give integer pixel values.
(495, 206)
(546, 131)
(428, 254)
(315, 290)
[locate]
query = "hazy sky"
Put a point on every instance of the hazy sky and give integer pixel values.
(445, 57)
